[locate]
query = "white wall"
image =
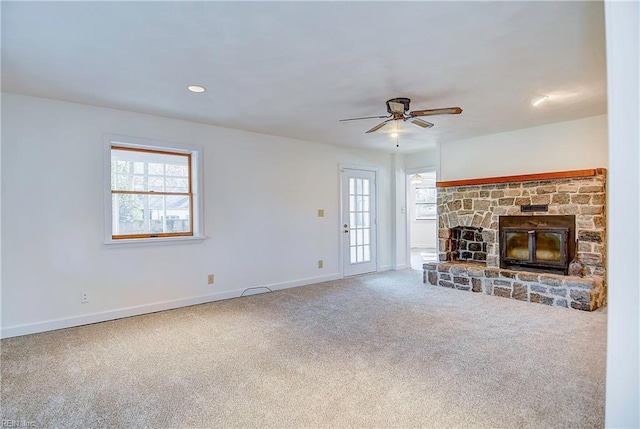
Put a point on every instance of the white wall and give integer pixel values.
(261, 199)
(422, 161)
(623, 314)
(400, 256)
(563, 146)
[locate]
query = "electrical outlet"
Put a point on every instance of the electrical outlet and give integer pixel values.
(84, 297)
(210, 279)
(320, 263)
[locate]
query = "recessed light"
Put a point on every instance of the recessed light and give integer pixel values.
(394, 135)
(539, 101)
(196, 88)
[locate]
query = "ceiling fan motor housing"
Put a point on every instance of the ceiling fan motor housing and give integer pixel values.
(402, 100)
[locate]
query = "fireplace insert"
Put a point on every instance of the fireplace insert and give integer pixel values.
(537, 243)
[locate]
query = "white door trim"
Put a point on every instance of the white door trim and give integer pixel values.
(376, 171)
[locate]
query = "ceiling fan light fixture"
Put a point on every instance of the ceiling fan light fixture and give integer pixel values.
(394, 135)
(539, 101)
(415, 179)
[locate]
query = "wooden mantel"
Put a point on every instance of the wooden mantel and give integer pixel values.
(523, 178)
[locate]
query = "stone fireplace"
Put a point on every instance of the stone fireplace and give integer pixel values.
(514, 237)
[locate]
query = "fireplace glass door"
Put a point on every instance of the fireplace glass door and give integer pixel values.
(535, 247)
(549, 246)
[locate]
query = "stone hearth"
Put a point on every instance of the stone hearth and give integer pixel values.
(478, 207)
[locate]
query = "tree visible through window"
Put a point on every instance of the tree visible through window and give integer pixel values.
(151, 193)
(425, 203)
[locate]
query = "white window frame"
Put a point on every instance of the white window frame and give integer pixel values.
(197, 161)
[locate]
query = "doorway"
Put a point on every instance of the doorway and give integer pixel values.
(359, 221)
(423, 218)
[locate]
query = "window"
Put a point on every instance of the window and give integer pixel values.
(152, 190)
(425, 203)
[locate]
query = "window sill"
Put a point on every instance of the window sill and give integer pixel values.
(160, 241)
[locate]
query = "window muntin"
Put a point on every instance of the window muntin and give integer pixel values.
(425, 203)
(151, 193)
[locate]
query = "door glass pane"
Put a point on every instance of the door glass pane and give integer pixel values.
(352, 259)
(359, 234)
(352, 186)
(352, 238)
(367, 217)
(352, 203)
(359, 203)
(367, 253)
(365, 236)
(365, 186)
(360, 255)
(549, 246)
(352, 217)
(359, 220)
(365, 203)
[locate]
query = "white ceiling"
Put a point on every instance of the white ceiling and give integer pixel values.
(294, 69)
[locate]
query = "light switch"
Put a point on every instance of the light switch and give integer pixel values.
(320, 213)
(403, 210)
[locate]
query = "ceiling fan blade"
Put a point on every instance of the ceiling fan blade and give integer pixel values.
(365, 117)
(432, 112)
(421, 123)
(380, 125)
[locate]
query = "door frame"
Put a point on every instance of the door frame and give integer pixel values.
(408, 173)
(376, 172)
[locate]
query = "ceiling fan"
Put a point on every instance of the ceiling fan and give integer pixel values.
(398, 109)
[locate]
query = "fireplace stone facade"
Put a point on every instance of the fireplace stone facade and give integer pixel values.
(479, 207)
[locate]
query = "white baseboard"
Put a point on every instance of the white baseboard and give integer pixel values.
(385, 268)
(86, 319)
(402, 266)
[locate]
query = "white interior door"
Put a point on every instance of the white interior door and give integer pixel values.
(359, 221)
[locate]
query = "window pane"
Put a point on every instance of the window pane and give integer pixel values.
(426, 211)
(133, 170)
(426, 195)
(138, 168)
(156, 168)
(151, 214)
(177, 170)
(155, 184)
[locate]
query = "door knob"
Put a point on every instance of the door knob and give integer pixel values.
(346, 228)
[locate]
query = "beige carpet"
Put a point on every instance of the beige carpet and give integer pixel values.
(381, 350)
